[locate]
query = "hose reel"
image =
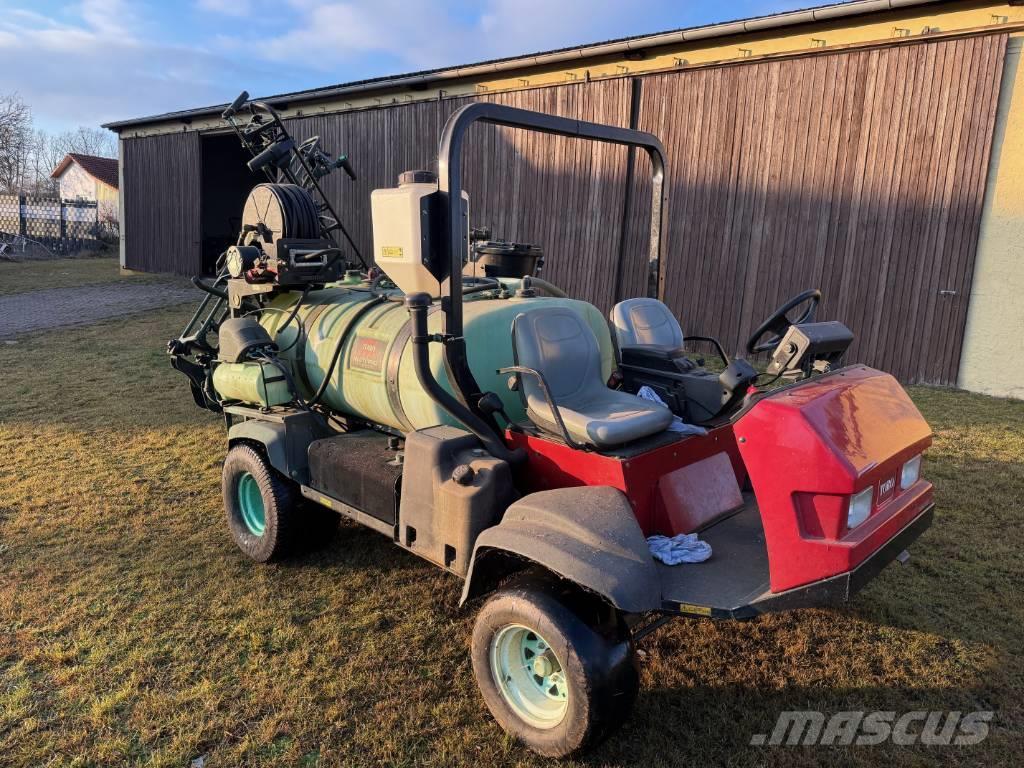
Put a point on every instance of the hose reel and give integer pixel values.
(276, 211)
(281, 239)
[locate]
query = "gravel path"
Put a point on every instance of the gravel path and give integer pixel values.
(59, 307)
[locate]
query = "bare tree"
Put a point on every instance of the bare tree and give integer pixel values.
(49, 152)
(87, 141)
(29, 156)
(16, 140)
(46, 155)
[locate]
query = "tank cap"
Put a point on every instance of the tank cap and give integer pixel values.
(416, 177)
(526, 290)
(463, 474)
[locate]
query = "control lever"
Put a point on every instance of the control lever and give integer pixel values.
(274, 154)
(235, 105)
(343, 163)
(490, 404)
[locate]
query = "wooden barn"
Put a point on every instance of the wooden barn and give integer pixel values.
(871, 149)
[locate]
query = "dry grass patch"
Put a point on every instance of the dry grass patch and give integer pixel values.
(133, 632)
(66, 273)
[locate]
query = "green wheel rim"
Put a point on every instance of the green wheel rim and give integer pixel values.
(250, 501)
(530, 677)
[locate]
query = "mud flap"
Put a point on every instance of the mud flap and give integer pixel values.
(588, 535)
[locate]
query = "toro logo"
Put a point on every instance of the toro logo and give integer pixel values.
(886, 487)
(367, 354)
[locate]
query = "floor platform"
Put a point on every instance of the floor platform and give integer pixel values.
(733, 578)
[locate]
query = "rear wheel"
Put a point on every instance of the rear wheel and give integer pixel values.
(261, 504)
(551, 680)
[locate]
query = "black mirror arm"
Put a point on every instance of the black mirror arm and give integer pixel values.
(714, 342)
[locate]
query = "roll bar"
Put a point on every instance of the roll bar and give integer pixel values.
(449, 171)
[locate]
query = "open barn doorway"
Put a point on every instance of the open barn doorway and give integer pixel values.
(226, 182)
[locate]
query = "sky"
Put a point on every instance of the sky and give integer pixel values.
(86, 62)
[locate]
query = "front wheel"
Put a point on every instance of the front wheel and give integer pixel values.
(550, 679)
(261, 504)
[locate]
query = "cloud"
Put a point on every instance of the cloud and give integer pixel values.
(102, 65)
(109, 18)
(92, 61)
(333, 33)
(226, 7)
(424, 34)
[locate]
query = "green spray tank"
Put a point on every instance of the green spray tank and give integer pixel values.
(374, 377)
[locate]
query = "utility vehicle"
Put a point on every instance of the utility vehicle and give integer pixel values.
(448, 397)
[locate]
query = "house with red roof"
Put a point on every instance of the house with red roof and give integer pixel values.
(91, 178)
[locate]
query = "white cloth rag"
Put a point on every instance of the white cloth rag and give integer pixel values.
(684, 548)
(677, 425)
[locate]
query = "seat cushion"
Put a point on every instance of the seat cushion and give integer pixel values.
(605, 421)
(557, 342)
(645, 322)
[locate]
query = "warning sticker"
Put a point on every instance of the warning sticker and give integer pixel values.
(367, 354)
(699, 610)
(391, 252)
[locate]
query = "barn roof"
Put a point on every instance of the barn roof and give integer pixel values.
(100, 168)
(820, 13)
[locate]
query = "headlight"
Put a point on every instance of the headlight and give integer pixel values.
(911, 472)
(860, 507)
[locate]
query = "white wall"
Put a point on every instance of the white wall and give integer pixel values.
(993, 352)
(76, 184)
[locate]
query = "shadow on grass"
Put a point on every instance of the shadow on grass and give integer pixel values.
(713, 725)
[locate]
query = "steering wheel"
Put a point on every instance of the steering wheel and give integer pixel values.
(779, 322)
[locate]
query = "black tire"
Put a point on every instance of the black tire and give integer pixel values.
(600, 671)
(279, 501)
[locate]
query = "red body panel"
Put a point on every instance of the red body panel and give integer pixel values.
(555, 465)
(806, 449)
(809, 448)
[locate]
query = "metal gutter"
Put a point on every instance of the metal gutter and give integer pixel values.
(643, 42)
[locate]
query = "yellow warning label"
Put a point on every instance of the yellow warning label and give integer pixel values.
(700, 610)
(391, 252)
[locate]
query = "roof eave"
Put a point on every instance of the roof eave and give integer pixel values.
(746, 26)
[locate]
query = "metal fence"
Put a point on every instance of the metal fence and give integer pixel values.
(62, 226)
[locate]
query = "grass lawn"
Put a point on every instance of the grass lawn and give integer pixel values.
(18, 277)
(132, 632)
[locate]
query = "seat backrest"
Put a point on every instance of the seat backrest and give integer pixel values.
(645, 322)
(558, 343)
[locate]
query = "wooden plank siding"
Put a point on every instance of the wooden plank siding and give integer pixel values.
(162, 227)
(859, 172)
(564, 194)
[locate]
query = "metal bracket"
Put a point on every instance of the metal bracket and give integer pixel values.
(546, 391)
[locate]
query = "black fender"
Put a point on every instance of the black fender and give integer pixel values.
(285, 440)
(588, 535)
(271, 436)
